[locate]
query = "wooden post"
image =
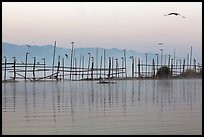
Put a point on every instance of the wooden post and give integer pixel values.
(34, 68)
(142, 72)
(153, 67)
(26, 64)
(58, 67)
(92, 68)
(183, 65)
(135, 67)
(187, 60)
(14, 68)
(174, 55)
(176, 66)
(5, 68)
(112, 66)
(82, 67)
(97, 62)
(75, 68)
(132, 66)
(117, 72)
(146, 64)
(101, 66)
(104, 63)
(194, 64)
(157, 62)
(171, 67)
(169, 61)
(122, 66)
(71, 61)
(190, 57)
(63, 68)
(53, 63)
(44, 67)
(180, 66)
(125, 63)
(109, 68)
(88, 65)
(139, 67)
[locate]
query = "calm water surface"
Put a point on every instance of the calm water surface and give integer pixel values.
(85, 107)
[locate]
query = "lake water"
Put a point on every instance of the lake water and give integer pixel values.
(85, 107)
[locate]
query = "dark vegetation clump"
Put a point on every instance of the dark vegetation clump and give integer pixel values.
(163, 72)
(191, 74)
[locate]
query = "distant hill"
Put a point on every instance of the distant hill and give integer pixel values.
(46, 51)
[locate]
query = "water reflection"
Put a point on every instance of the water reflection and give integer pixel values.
(68, 102)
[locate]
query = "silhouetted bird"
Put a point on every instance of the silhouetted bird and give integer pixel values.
(174, 13)
(22, 62)
(28, 46)
(66, 55)
(160, 43)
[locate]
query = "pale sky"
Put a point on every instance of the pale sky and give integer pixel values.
(133, 25)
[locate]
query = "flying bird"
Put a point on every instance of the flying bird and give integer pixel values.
(174, 13)
(160, 43)
(66, 55)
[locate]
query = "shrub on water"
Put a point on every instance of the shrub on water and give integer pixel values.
(163, 72)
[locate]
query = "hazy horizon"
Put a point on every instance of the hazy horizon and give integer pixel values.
(134, 25)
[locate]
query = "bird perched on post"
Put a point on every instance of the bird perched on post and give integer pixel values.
(174, 13)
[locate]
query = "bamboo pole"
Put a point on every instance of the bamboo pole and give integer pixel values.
(44, 67)
(176, 66)
(183, 65)
(109, 68)
(88, 65)
(169, 61)
(180, 66)
(92, 67)
(101, 66)
(125, 63)
(97, 62)
(122, 65)
(75, 68)
(171, 67)
(58, 67)
(63, 68)
(153, 67)
(135, 66)
(14, 68)
(190, 57)
(104, 63)
(139, 67)
(194, 64)
(34, 68)
(187, 60)
(53, 63)
(117, 71)
(112, 66)
(26, 64)
(5, 67)
(82, 67)
(71, 60)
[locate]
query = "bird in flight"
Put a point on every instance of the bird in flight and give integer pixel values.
(174, 13)
(66, 55)
(160, 43)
